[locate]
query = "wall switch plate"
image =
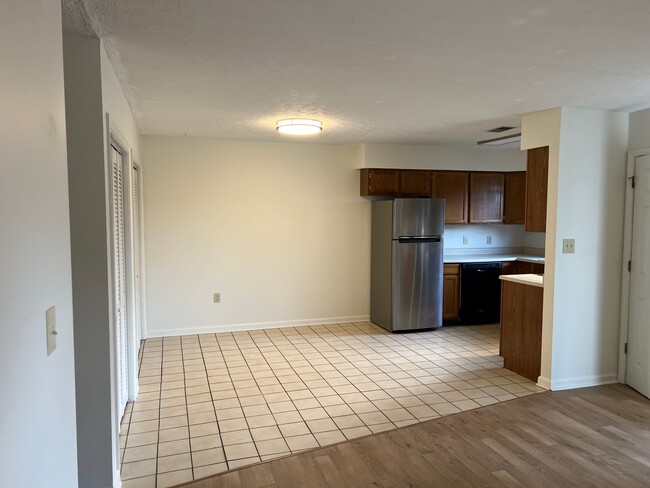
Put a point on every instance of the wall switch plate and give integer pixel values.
(50, 329)
(568, 246)
(489, 240)
(465, 240)
(216, 298)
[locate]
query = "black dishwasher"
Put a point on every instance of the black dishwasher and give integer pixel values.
(480, 293)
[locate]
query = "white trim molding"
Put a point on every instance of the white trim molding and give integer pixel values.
(578, 382)
(214, 329)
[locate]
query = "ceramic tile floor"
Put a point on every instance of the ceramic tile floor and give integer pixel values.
(213, 402)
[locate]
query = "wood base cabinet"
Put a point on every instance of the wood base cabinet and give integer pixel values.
(521, 328)
(451, 292)
(524, 267)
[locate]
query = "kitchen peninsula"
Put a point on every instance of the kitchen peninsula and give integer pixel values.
(521, 323)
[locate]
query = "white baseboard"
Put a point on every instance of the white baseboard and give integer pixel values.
(213, 329)
(579, 382)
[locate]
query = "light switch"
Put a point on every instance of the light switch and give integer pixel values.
(465, 240)
(568, 246)
(50, 329)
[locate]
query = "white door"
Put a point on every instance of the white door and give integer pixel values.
(638, 346)
(137, 249)
(119, 277)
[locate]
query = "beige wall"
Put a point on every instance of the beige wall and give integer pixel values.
(279, 229)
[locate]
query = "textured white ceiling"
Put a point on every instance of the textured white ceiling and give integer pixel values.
(401, 71)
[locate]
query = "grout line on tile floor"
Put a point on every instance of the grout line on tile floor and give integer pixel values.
(418, 373)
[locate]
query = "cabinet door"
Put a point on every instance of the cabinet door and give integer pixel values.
(536, 188)
(508, 267)
(486, 198)
(515, 198)
(521, 328)
(415, 183)
(450, 292)
(538, 268)
(453, 187)
(379, 182)
(523, 267)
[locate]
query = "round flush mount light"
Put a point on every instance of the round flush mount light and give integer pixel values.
(299, 127)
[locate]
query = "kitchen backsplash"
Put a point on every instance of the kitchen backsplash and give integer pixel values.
(511, 236)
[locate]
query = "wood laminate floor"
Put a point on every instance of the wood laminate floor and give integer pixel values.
(587, 437)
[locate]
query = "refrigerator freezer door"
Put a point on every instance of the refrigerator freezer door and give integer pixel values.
(417, 284)
(421, 217)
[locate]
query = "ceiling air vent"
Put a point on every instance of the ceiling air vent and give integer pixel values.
(500, 141)
(503, 128)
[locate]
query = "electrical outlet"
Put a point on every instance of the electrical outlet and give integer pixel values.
(216, 298)
(50, 329)
(568, 246)
(489, 240)
(465, 240)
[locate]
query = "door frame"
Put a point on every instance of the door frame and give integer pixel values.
(143, 315)
(114, 136)
(627, 256)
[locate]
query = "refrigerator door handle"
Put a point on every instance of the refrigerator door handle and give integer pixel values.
(408, 239)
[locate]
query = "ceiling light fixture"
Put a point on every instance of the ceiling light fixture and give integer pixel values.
(299, 127)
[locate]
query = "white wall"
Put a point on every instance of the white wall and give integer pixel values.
(408, 156)
(639, 130)
(591, 197)
(279, 229)
(123, 124)
(116, 105)
(502, 236)
(96, 425)
(586, 199)
(37, 427)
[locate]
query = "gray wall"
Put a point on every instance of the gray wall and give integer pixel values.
(90, 266)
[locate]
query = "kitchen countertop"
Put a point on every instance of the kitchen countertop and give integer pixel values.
(491, 258)
(525, 279)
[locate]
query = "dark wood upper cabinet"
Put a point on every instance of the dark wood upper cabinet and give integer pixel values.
(515, 198)
(486, 198)
(415, 183)
(536, 189)
(379, 182)
(453, 186)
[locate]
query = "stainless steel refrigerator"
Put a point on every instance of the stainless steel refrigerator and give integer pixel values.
(406, 263)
